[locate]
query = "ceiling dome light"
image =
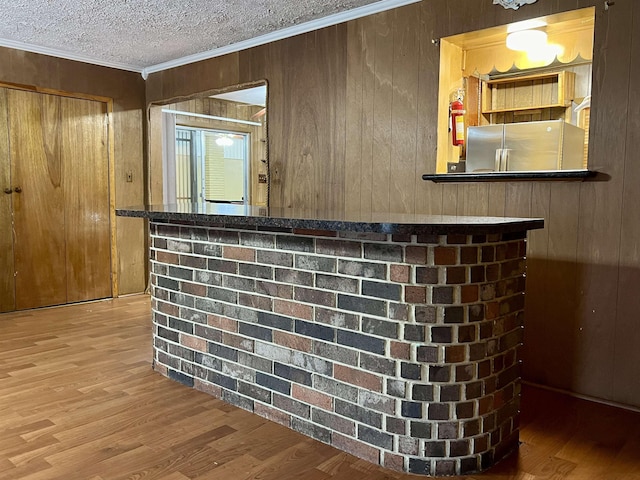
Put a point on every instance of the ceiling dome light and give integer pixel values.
(525, 40)
(546, 53)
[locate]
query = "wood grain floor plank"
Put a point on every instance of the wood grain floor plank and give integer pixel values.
(79, 400)
(235, 468)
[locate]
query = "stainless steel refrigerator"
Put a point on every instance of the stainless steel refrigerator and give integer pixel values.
(530, 146)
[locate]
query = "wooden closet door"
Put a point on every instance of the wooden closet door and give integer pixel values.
(84, 154)
(39, 217)
(7, 286)
(59, 160)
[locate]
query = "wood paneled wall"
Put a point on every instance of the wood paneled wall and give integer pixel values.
(127, 91)
(352, 113)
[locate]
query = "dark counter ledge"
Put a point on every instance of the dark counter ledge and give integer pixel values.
(510, 176)
(286, 218)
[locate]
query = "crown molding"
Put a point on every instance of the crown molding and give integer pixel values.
(54, 52)
(306, 27)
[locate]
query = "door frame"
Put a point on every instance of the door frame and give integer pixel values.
(110, 160)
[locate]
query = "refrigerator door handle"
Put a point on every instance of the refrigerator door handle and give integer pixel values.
(505, 159)
(498, 160)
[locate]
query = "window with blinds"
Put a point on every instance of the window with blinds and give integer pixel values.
(211, 165)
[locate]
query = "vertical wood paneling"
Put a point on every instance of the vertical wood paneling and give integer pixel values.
(252, 64)
(7, 285)
(626, 374)
(300, 185)
(474, 199)
(600, 212)
(368, 112)
(450, 198)
(278, 103)
(497, 199)
(404, 109)
(330, 167)
(354, 117)
(383, 104)
(311, 143)
(536, 291)
(518, 199)
(131, 234)
(557, 303)
(428, 195)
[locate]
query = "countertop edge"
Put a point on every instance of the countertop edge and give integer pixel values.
(492, 225)
(509, 176)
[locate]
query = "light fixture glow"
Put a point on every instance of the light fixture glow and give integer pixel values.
(525, 40)
(526, 25)
(545, 53)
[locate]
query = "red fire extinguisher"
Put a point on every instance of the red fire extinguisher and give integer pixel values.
(456, 113)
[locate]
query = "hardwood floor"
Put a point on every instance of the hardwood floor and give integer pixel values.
(78, 400)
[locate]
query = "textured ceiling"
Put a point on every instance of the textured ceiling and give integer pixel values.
(136, 34)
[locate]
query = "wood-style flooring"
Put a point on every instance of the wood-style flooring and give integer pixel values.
(78, 400)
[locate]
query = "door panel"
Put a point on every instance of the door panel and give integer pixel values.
(39, 218)
(7, 287)
(86, 188)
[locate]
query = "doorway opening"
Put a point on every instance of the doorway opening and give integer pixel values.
(487, 79)
(211, 165)
(210, 147)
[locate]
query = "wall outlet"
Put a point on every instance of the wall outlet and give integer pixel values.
(262, 178)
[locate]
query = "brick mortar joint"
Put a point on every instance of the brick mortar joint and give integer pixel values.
(396, 437)
(360, 423)
(428, 246)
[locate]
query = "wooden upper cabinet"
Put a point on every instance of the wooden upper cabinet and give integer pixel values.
(528, 92)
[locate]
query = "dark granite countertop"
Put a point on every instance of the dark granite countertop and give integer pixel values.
(510, 176)
(288, 218)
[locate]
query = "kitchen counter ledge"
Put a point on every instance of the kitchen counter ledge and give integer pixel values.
(390, 223)
(509, 176)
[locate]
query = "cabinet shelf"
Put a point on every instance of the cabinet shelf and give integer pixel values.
(523, 109)
(529, 92)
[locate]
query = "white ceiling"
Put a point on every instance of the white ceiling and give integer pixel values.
(152, 35)
(250, 96)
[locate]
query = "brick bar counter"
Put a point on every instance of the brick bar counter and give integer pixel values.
(392, 337)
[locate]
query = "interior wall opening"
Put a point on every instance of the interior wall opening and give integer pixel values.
(517, 76)
(211, 147)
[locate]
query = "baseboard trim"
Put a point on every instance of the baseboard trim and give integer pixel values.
(583, 397)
